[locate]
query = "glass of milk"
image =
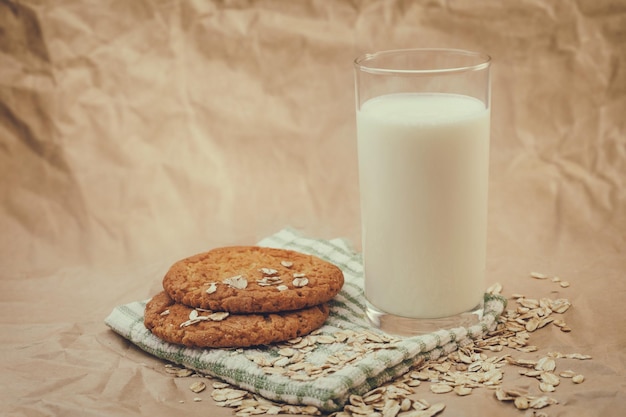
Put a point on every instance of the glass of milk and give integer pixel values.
(423, 151)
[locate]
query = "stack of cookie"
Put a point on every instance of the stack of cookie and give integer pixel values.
(242, 296)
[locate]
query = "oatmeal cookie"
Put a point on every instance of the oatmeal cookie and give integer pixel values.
(177, 323)
(252, 279)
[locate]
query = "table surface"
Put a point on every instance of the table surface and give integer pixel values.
(133, 135)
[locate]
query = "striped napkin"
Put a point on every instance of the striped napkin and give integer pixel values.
(329, 392)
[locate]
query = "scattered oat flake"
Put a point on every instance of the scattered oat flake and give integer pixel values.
(541, 402)
(189, 323)
(546, 364)
(564, 284)
(181, 373)
(268, 271)
(228, 395)
(197, 386)
(286, 264)
(325, 339)
(532, 324)
(440, 388)
(212, 288)
(218, 316)
(560, 305)
(538, 275)
(300, 282)
(165, 312)
(238, 282)
(286, 352)
(579, 356)
(507, 395)
(521, 403)
(282, 287)
(578, 379)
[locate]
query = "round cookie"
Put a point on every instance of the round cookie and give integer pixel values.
(252, 279)
(170, 321)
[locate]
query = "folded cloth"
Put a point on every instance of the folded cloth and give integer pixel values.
(328, 391)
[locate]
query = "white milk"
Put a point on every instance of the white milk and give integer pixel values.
(423, 167)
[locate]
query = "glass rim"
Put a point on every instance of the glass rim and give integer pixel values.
(360, 63)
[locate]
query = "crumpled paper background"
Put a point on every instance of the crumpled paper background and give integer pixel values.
(133, 134)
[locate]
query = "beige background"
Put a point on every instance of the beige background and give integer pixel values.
(134, 133)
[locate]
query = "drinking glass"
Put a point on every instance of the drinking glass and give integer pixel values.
(423, 121)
